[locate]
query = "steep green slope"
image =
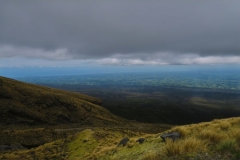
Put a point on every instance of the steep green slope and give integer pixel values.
(24, 104)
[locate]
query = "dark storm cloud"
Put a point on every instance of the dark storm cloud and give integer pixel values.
(101, 29)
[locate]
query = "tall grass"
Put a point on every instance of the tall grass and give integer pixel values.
(212, 136)
(189, 145)
(216, 136)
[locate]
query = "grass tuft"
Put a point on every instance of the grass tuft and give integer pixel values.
(189, 145)
(227, 145)
(172, 148)
(212, 136)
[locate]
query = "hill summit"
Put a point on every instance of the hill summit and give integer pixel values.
(28, 104)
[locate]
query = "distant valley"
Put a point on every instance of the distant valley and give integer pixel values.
(164, 97)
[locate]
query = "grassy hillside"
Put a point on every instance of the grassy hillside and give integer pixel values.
(33, 116)
(23, 104)
(219, 139)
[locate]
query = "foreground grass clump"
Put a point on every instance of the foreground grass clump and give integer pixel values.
(216, 137)
(188, 145)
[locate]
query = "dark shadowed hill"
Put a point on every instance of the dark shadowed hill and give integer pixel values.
(27, 104)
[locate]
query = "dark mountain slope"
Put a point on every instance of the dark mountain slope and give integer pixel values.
(27, 104)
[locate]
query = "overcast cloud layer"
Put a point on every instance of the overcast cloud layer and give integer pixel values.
(122, 32)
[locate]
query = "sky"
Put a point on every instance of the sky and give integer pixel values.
(60, 33)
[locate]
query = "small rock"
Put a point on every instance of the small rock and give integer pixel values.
(123, 142)
(140, 140)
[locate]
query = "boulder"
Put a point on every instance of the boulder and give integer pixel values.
(172, 135)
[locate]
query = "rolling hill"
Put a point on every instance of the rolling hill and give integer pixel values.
(23, 104)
